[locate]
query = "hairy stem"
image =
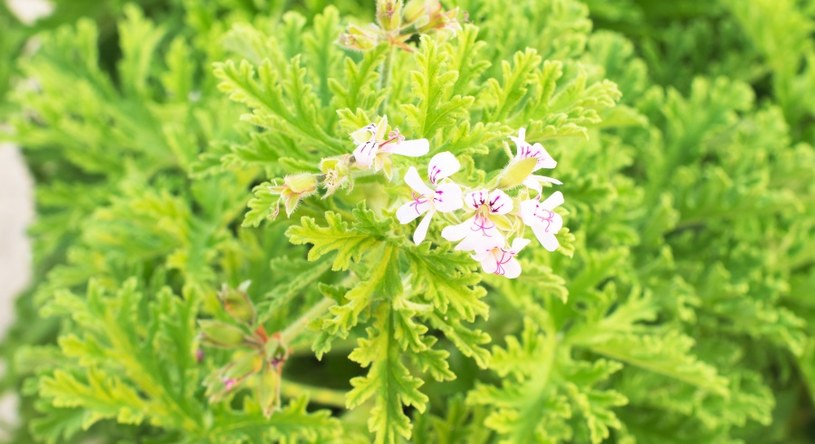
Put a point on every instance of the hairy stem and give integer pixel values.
(320, 395)
(296, 328)
(384, 76)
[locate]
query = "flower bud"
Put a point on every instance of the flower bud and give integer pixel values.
(360, 38)
(216, 333)
(232, 377)
(389, 14)
(237, 303)
(415, 9)
(337, 173)
(267, 390)
(516, 172)
(295, 188)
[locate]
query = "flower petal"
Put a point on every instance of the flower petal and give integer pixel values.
(457, 232)
(475, 199)
(545, 160)
(535, 215)
(548, 240)
(535, 182)
(411, 210)
(553, 201)
(441, 166)
(410, 148)
(448, 197)
(511, 268)
(528, 210)
(365, 153)
(421, 230)
(531, 183)
(475, 234)
(499, 202)
(489, 263)
(414, 181)
(521, 139)
(480, 236)
(518, 244)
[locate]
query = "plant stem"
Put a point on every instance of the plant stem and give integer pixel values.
(384, 76)
(319, 395)
(294, 329)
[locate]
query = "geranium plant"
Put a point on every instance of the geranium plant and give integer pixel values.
(390, 221)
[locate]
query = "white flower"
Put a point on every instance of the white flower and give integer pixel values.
(542, 157)
(544, 221)
(501, 261)
(374, 149)
(445, 197)
(480, 231)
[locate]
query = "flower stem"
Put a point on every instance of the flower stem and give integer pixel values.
(384, 76)
(319, 395)
(296, 328)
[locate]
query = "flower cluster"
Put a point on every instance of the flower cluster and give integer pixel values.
(484, 220)
(491, 215)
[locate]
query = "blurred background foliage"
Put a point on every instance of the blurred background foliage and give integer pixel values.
(698, 197)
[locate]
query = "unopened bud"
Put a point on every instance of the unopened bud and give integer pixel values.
(337, 173)
(516, 172)
(237, 304)
(230, 378)
(389, 14)
(415, 9)
(268, 390)
(295, 188)
(220, 334)
(360, 38)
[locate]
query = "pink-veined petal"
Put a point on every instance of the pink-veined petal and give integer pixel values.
(447, 197)
(548, 240)
(476, 234)
(545, 160)
(365, 153)
(414, 181)
(413, 209)
(511, 268)
(521, 139)
(441, 166)
(535, 214)
(489, 263)
(528, 209)
(410, 148)
(553, 201)
(475, 199)
(421, 230)
(480, 237)
(499, 202)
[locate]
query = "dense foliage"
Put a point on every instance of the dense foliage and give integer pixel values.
(174, 301)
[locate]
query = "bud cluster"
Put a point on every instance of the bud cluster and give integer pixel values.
(396, 24)
(258, 357)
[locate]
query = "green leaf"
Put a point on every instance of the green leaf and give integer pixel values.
(337, 236)
(388, 381)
